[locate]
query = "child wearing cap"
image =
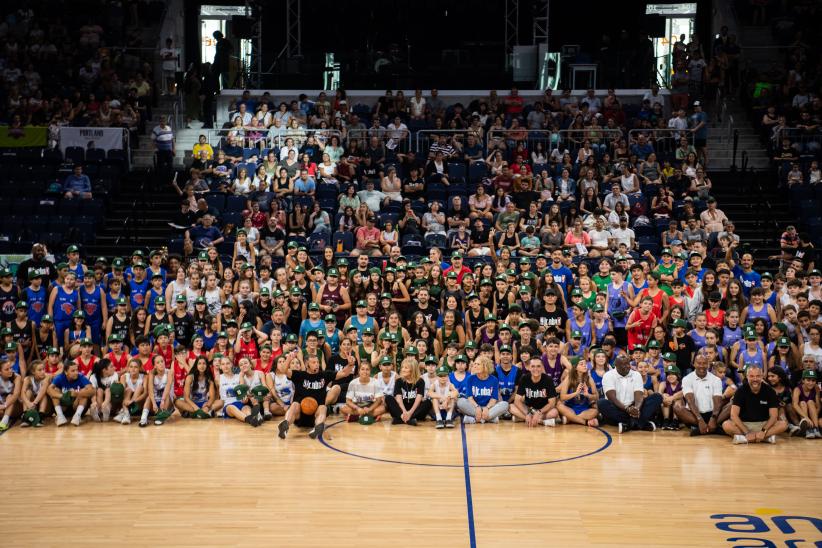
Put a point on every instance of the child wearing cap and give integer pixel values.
(671, 390)
(159, 388)
(806, 403)
(69, 392)
(443, 396)
(102, 377)
(34, 394)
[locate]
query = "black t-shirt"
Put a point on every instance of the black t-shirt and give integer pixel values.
(754, 407)
(43, 267)
(431, 313)
(524, 198)
(271, 237)
(684, 350)
(480, 236)
(312, 385)
(536, 394)
(183, 328)
(556, 318)
(409, 392)
(338, 363)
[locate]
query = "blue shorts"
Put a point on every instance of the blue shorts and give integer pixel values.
(237, 404)
(199, 403)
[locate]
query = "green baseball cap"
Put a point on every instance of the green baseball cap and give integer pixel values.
(783, 342)
(679, 322)
(809, 374)
(598, 308)
(291, 337)
(576, 334)
(385, 360)
(66, 399)
(490, 318)
(576, 292)
(295, 290)
(504, 327)
(72, 249)
(78, 314)
(117, 391)
(361, 304)
(21, 304)
(202, 256)
(52, 351)
(313, 306)
(330, 318)
(653, 344)
(412, 350)
(161, 300)
(367, 331)
(669, 357)
(461, 358)
(241, 391)
(672, 369)
(470, 344)
(117, 263)
(32, 417)
(366, 420)
(245, 326)
(200, 300)
(504, 348)
(181, 298)
(443, 371)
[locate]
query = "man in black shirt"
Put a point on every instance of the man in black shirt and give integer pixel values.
(309, 382)
(754, 411)
(536, 398)
(38, 265)
(424, 306)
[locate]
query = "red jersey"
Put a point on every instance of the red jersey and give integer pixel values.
(86, 367)
(640, 334)
(658, 298)
(716, 321)
(145, 363)
(247, 350)
(180, 372)
(264, 367)
(167, 353)
(192, 355)
(118, 363)
(51, 369)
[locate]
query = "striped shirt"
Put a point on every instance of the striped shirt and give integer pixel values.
(163, 137)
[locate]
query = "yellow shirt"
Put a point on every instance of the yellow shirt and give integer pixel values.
(207, 147)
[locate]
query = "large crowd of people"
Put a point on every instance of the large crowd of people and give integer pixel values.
(523, 296)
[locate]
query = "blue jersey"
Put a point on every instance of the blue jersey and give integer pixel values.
(151, 298)
(460, 385)
(563, 277)
(483, 391)
(761, 313)
(309, 325)
(64, 305)
(584, 328)
(599, 333)
(150, 272)
(757, 358)
(507, 381)
(37, 301)
(111, 302)
(138, 292)
(92, 305)
(731, 336)
(78, 271)
(359, 325)
(699, 340)
(618, 307)
(749, 280)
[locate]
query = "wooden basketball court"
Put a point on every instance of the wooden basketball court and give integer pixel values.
(196, 483)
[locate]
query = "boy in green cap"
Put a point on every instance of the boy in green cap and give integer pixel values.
(443, 396)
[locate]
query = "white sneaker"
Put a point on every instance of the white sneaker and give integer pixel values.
(740, 439)
(60, 421)
(126, 418)
(564, 419)
(817, 433)
(106, 414)
(95, 414)
(469, 420)
(495, 420)
(771, 439)
(75, 420)
(793, 429)
(549, 422)
(514, 418)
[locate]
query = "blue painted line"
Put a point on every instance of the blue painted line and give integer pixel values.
(603, 447)
(472, 533)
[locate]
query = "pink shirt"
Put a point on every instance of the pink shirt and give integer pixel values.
(364, 233)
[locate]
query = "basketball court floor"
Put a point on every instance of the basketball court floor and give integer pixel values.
(206, 483)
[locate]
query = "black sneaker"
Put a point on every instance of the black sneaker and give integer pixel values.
(282, 429)
(506, 416)
(317, 431)
(623, 428)
(251, 419)
(440, 425)
(650, 427)
(675, 425)
(694, 431)
(412, 422)
(449, 423)
(396, 420)
(667, 424)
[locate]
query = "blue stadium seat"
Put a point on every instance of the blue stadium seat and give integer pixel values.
(477, 171)
(456, 170)
(216, 200)
(318, 242)
(233, 217)
(346, 238)
(75, 155)
(235, 203)
(95, 155)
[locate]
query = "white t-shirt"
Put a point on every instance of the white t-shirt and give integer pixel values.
(107, 381)
(599, 238)
(704, 389)
(623, 236)
(625, 387)
(363, 395)
(169, 56)
(387, 387)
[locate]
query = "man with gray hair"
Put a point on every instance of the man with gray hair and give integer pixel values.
(754, 411)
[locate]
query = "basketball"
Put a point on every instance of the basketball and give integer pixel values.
(308, 406)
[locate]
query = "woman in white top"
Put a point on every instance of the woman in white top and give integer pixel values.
(287, 147)
(177, 286)
(629, 180)
(135, 392)
(242, 183)
(416, 105)
(296, 132)
(364, 395)
(262, 180)
(812, 347)
(230, 400)
(392, 185)
(328, 170)
(280, 386)
(434, 221)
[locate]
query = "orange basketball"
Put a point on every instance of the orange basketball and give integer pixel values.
(308, 406)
